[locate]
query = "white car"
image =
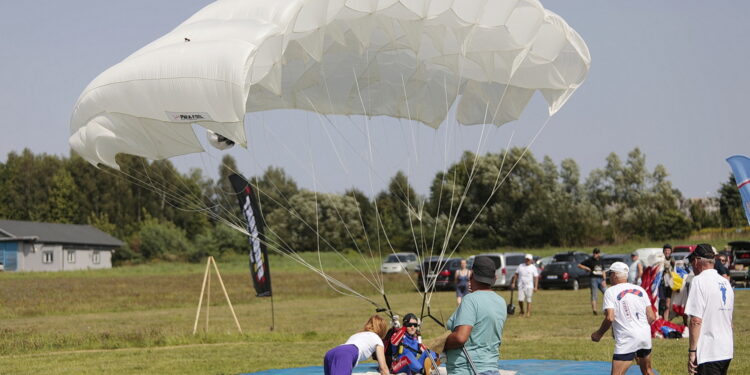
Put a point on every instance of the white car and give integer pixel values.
(399, 263)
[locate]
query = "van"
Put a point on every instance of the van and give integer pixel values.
(501, 272)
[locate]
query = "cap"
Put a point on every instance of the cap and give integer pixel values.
(596, 251)
(529, 257)
(702, 251)
(618, 267)
(483, 270)
(634, 254)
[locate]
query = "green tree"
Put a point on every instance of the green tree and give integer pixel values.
(316, 220)
(274, 189)
(161, 239)
(730, 204)
(62, 200)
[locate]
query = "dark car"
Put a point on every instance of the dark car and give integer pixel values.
(571, 256)
(611, 258)
(440, 271)
(565, 275)
(740, 261)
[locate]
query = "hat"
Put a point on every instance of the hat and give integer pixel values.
(596, 251)
(703, 251)
(618, 267)
(529, 257)
(483, 270)
(634, 254)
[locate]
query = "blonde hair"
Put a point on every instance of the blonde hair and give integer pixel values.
(377, 325)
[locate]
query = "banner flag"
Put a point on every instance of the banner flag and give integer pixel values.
(741, 168)
(255, 227)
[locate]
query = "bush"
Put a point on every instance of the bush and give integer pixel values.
(161, 239)
(219, 240)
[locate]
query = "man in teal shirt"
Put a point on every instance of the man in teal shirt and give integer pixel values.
(477, 325)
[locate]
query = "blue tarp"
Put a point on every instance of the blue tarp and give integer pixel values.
(522, 366)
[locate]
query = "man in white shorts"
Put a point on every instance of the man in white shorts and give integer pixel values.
(710, 305)
(528, 282)
(628, 311)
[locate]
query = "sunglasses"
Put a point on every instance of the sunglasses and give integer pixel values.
(411, 325)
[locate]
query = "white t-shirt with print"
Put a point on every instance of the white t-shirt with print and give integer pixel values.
(366, 342)
(526, 274)
(711, 298)
(631, 328)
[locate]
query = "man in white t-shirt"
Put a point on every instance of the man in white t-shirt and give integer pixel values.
(709, 305)
(628, 311)
(527, 276)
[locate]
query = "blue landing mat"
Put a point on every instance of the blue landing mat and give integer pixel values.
(522, 366)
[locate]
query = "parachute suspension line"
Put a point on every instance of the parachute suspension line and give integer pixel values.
(405, 191)
(297, 258)
(369, 263)
(317, 215)
(451, 224)
(359, 208)
(274, 246)
(496, 187)
(297, 215)
(372, 161)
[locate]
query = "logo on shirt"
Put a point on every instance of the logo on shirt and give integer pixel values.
(629, 291)
(723, 289)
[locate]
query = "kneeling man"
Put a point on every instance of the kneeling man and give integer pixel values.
(628, 310)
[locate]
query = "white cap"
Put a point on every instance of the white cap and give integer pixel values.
(529, 256)
(618, 267)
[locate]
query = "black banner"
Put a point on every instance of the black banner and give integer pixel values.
(259, 269)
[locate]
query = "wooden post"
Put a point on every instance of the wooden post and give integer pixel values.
(221, 282)
(200, 300)
(208, 299)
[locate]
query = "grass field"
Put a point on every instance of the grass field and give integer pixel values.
(139, 319)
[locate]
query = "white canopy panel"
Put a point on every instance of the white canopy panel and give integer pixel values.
(400, 58)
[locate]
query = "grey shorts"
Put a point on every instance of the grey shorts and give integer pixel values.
(597, 284)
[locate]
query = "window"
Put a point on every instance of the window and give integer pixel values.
(47, 257)
(71, 256)
(95, 258)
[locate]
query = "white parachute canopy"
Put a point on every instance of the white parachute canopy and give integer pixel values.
(409, 59)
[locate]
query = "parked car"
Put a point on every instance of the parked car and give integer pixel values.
(687, 249)
(564, 275)
(399, 263)
(440, 271)
(501, 272)
(541, 263)
(608, 259)
(571, 256)
(740, 262)
(512, 261)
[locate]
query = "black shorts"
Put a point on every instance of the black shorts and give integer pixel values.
(642, 353)
(714, 368)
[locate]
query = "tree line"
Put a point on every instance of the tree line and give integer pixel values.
(508, 198)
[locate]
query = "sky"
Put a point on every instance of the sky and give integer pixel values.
(668, 77)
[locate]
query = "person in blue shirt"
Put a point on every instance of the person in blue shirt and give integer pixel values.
(472, 348)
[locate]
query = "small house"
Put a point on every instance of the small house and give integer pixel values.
(34, 246)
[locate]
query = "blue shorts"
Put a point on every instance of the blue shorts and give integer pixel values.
(642, 353)
(462, 290)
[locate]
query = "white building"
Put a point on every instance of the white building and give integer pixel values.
(33, 246)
